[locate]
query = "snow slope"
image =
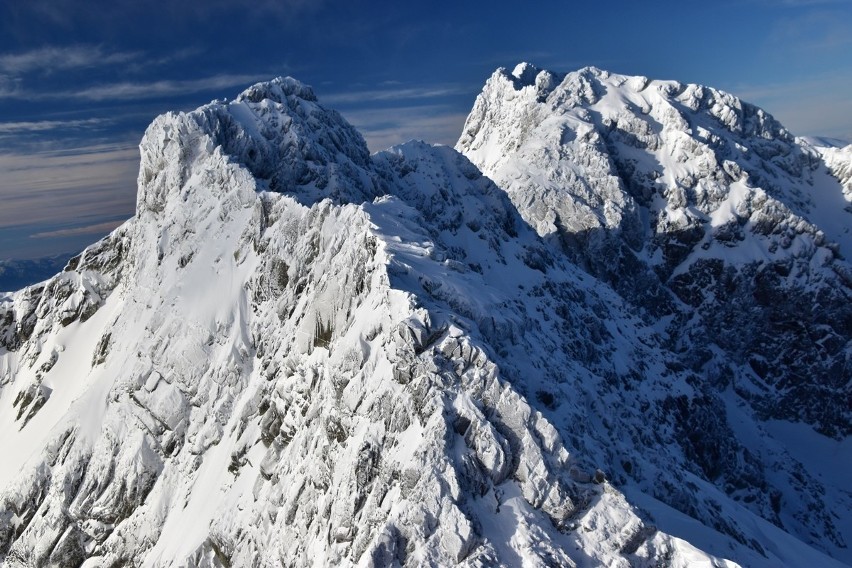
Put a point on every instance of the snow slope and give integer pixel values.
(299, 354)
(728, 234)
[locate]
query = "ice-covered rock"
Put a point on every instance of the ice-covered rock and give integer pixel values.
(299, 354)
(727, 233)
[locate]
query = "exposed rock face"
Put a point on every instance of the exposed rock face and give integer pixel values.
(702, 211)
(299, 354)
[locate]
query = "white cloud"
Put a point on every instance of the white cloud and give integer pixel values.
(9, 86)
(130, 91)
(97, 228)
(49, 188)
(436, 124)
(154, 89)
(392, 94)
(47, 125)
(415, 113)
(55, 58)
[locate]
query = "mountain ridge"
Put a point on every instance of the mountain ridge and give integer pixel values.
(291, 332)
(658, 199)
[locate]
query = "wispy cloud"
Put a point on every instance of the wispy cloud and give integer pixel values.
(48, 188)
(54, 58)
(437, 124)
(155, 89)
(141, 90)
(26, 127)
(173, 57)
(374, 95)
(8, 86)
(62, 17)
(822, 30)
(97, 228)
(813, 106)
(840, 83)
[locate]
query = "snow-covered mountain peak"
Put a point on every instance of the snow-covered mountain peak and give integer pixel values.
(270, 362)
(278, 90)
(700, 209)
(523, 72)
(276, 131)
(300, 354)
(837, 155)
(659, 145)
(637, 93)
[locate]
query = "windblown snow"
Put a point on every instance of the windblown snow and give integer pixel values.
(299, 354)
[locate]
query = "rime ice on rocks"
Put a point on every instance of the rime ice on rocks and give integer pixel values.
(300, 354)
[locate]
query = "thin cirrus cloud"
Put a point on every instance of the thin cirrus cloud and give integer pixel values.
(17, 71)
(128, 90)
(434, 114)
(437, 124)
(804, 35)
(55, 58)
(97, 228)
(25, 127)
(9, 86)
(829, 112)
(47, 188)
(350, 97)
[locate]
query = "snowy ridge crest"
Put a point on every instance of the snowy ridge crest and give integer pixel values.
(300, 354)
(277, 131)
(727, 226)
(277, 90)
(323, 395)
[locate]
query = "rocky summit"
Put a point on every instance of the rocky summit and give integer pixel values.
(612, 327)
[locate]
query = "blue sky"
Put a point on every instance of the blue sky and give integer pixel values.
(80, 81)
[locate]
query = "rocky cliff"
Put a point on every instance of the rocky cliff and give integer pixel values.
(297, 353)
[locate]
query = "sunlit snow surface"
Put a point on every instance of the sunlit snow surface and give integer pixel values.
(300, 354)
(725, 231)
